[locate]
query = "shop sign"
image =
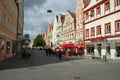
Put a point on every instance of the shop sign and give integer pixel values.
(98, 39)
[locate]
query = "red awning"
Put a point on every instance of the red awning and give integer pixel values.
(59, 47)
(69, 46)
(98, 39)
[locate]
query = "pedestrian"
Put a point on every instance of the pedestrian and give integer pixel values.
(49, 51)
(60, 54)
(46, 51)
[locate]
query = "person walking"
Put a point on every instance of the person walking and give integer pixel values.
(46, 51)
(60, 54)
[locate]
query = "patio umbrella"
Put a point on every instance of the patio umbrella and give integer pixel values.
(59, 47)
(81, 46)
(68, 46)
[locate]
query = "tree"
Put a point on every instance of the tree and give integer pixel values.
(38, 41)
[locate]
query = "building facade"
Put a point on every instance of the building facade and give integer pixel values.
(45, 37)
(8, 28)
(79, 25)
(69, 28)
(102, 28)
(59, 28)
(20, 20)
(49, 35)
(54, 32)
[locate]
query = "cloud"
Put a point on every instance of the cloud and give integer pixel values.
(36, 18)
(31, 3)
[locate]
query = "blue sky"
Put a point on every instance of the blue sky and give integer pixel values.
(36, 18)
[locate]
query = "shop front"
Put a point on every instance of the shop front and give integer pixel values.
(90, 49)
(118, 49)
(7, 47)
(2, 48)
(109, 47)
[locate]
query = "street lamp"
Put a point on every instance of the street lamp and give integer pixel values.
(49, 11)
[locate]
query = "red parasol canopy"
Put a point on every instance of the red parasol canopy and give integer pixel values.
(69, 46)
(81, 46)
(59, 47)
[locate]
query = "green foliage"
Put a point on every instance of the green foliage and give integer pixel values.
(38, 41)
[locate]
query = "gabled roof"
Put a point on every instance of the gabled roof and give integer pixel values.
(62, 18)
(86, 3)
(57, 18)
(51, 26)
(72, 14)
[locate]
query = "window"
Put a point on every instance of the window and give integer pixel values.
(87, 16)
(5, 20)
(98, 10)
(81, 25)
(107, 6)
(80, 15)
(98, 30)
(117, 2)
(92, 13)
(92, 31)
(117, 24)
(107, 28)
(68, 20)
(8, 47)
(77, 27)
(8, 23)
(87, 32)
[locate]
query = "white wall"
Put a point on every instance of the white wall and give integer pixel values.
(54, 38)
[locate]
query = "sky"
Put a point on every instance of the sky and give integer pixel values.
(36, 18)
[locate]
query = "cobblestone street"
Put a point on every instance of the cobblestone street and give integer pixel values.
(41, 67)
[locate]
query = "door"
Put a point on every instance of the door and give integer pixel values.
(108, 51)
(99, 49)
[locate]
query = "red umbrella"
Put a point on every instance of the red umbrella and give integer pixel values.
(69, 46)
(81, 46)
(59, 47)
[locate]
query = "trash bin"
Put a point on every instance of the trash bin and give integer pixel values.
(104, 58)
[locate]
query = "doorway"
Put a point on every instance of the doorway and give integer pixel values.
(108, 51)
(99, 49)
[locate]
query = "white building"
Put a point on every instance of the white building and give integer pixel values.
(59, 28)
(54, 35)
(102, 28)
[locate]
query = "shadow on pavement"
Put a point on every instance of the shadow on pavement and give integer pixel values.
(37, 59)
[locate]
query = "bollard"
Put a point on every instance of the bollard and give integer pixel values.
(104, 58)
